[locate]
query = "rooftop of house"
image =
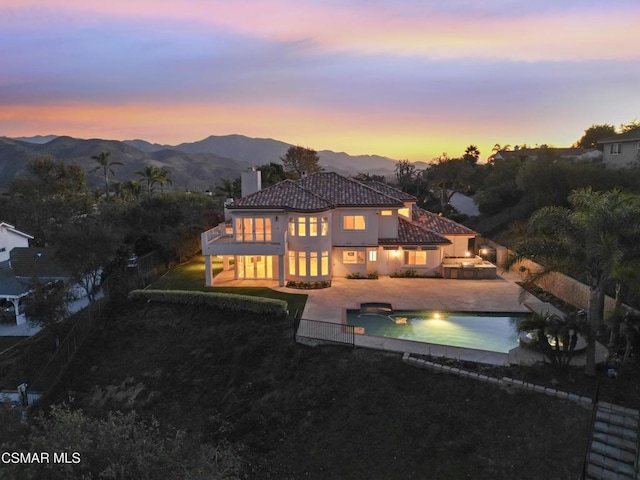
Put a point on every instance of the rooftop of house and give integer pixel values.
(565, 152)
(10, 286)
(8, 227)
(410, 234)
(287, 194)
(326, 190)
(391, 191)
(631, 136)
(317, 192)
(36, 262)
(438, 223)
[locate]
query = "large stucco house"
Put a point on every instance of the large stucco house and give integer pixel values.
(621, 150)
(326, 225)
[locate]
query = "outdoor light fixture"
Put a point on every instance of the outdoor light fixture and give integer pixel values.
(395, 253)
(467, 253)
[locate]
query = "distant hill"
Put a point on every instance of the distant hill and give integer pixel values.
(196, 165)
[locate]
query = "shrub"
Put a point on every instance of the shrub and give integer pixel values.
(226, 301)
(358, 276)
(410, 273)
(309, 285)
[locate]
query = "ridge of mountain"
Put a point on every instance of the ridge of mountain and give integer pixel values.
(196, 165)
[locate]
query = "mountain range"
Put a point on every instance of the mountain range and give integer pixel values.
(196, 165)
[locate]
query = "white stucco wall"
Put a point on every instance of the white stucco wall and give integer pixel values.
(10, 240)
(628, 154)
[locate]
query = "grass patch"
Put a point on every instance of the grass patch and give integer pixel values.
(326, 412)
(190, 276)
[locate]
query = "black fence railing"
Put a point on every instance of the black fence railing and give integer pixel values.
(51, 373)
(338, 333)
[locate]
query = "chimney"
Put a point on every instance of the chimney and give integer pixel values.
(251, 181)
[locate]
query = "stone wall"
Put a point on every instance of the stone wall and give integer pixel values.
(565, 288)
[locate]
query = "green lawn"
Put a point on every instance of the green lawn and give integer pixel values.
(190, 276)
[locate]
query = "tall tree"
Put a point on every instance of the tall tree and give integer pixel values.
(47, 304)
(589, 239)
(228, 188)
(447, 175)
(106, 165)
(405, 172)
(471, 155)
(595, 133)
(163, 178)
(150, 175)
(85, 249)
(628, 127)
(271, 173)
(299, 161)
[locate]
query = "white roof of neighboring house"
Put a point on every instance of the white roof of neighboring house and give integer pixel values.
(13, 229)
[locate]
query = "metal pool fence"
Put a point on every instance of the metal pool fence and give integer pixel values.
(325, 331)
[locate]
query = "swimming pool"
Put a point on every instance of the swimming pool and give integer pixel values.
(494, 332)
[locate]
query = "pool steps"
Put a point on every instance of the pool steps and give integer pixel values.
(614, 451)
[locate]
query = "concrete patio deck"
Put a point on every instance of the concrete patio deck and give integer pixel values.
(502, 294)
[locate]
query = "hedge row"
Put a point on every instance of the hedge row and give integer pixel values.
(227, 301)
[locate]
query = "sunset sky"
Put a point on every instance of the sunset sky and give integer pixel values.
(409, 79)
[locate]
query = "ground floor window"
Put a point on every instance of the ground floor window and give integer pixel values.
(254, 266)
(311, 264)
(415, 257)
(352, 256)
(373, 255)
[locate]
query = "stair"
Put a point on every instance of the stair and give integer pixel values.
(613, 453)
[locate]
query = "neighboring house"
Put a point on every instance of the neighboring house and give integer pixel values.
(570, 153)
(621, 150)
(16, 275)
(327, 225)
(11, 288)
(11, 238)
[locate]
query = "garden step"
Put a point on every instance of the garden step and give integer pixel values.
(611, 464)
(616, 430)
(606, 406)
(613, 452)
(617, 419)
(621, 443)
(595, 472)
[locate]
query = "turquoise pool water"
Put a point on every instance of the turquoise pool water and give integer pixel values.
(494, 332)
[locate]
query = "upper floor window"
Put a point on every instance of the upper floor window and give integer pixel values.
(386, 213)
(615, 149)
(308, 226)
(353, 222)
(250, 229)
(404, 212)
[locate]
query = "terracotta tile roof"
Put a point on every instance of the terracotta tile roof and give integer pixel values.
(29, 262)
(288, 195)
(439, 224)
(410, 234)
(391, 191)
(346, 192)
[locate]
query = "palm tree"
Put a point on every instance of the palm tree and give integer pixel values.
(588, 239)
(228, 188)
(106, 165)
(163, 178)
(555, 336)
(151, 175)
